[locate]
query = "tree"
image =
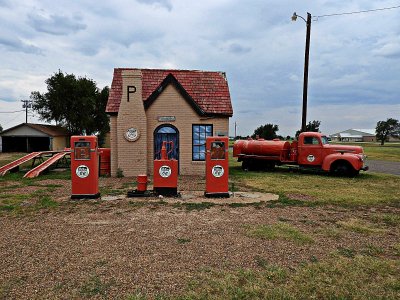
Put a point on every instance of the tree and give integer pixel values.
(267, 131)
(312, 126)
(76, 103)
(384, 129)
(1, 129)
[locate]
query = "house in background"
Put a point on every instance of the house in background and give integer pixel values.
(28, 137)
(149, 106)
(354, 135)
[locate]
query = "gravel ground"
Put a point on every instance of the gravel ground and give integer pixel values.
(114, 248)
(111, 249)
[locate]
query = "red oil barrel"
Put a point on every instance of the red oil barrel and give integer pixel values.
(141, 183)
(105, 161)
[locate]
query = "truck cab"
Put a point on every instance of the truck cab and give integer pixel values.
(315, 151)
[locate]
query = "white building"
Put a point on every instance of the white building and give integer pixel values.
(354, 135)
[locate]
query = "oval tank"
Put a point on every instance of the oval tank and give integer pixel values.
(262, 147)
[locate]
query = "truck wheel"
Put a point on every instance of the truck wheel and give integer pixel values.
(245, 165)
(343, 168)
(269, 166)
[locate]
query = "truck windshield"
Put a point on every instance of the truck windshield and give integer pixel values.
(324, 140)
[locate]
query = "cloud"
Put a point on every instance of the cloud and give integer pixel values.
(5, 3)
(238, 49)
(353, 58)
(389, 50)
(162, 3)
(55, 24)
(17, 45)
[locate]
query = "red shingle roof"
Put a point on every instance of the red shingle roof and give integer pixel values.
(208, 90)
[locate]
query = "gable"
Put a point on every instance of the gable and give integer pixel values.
(24, 131)
(171, 80)
(31, 129)
(207, 92)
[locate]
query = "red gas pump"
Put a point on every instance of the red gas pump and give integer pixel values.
(84, 167)
(217, 167)
(165, 181)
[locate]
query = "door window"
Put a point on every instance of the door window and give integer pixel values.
(166, 133)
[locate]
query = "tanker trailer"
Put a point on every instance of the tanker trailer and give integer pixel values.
(261, 154)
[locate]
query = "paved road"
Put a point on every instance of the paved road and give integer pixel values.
(381, 166)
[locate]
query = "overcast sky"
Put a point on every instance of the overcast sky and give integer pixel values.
(354, 73)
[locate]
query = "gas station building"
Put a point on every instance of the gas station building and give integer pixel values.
(149, 106)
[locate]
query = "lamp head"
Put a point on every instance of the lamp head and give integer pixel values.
(294, 17)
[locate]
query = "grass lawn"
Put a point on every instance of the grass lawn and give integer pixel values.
(389, 151)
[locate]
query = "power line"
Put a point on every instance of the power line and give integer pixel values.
(10, 120)
(357, 12)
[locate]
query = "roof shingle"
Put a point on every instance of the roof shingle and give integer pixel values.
(209, 90)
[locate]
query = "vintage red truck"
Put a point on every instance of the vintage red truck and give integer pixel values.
(312, 150)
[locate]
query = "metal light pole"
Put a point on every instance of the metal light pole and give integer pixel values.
(306, 61)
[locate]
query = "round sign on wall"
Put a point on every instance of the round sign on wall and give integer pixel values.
(82, 171)
(131, 134)
(217, 171)
(165, 171)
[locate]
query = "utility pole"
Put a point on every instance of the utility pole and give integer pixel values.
(26, 104)
(306, 61)
(235, 129)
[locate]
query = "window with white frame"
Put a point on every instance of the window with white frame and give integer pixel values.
(199, 134)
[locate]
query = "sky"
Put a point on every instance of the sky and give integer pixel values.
(354, 70)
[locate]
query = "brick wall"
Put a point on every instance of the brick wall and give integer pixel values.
(137, 157)
(114, 145)
(131, 154)
(171, 103)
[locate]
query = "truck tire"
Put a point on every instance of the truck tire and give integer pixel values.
(269, 165)
(343, 168)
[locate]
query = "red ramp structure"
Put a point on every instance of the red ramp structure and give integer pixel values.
(43, 166)
(16, 163)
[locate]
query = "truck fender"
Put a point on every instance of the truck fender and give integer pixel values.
(351, 158)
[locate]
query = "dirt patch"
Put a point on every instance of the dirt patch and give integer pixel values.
(115, 247)
(122, 248)
(300, 197)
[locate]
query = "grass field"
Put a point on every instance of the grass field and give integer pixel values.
(325, 238)
(389, 151)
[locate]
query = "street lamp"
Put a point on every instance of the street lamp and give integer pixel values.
(306, 60)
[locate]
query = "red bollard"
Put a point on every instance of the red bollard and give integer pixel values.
(141, 183)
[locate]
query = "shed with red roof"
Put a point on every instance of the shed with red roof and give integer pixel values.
(29, 137)
(149, 106)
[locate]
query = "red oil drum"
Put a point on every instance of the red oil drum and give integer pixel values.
(141, 183)
(105, 161)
